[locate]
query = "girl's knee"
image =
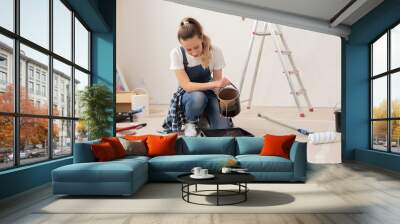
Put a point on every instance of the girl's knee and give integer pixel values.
(198, 99)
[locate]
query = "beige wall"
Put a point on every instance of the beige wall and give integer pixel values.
(146, 32)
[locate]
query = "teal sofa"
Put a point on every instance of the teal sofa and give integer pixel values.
(125, 176)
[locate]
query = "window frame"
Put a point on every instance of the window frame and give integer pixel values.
(388, 74)
(16, 114)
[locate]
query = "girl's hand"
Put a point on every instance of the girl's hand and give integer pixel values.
(222, 83)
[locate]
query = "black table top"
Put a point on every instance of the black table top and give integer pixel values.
(220, 178)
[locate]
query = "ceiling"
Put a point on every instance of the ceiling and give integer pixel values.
(326, 16)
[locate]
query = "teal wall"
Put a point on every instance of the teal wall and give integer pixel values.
(355, 84)
(104, 52)
(100, 17)
(376, 158)
(24, 178)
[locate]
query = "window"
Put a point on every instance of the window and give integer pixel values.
(37, 74)
(38, 61)
(30, 87)
(6, 73)
(44, 77)
(6, 142)
(7, 14)
(62, 29)
(62, 137)
(81, 81)
(395, 47)
(35, 21)
(385, 94)
(3, 78)
(44, 91)
(62, 74)
(81, 45)
(30, 72)
(3, 61)
(33, 147)
(45, 108)
(38, 89)
(3, 72)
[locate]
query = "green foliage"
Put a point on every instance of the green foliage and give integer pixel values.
(96, 103)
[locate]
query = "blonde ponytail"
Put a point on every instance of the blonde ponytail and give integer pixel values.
(189, 28)
(206, 56)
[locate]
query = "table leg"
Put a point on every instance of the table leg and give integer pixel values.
(245, 193)
(182, 188)
(188, 190)
(196, 187)
(217, 194)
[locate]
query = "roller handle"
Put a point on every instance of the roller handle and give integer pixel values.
(300, 130)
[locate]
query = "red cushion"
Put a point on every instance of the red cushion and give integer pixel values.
(159, 145)
(116, 145)
(277, 145)
(103, 152)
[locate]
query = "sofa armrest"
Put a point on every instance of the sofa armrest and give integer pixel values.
(83, 152)
(298, 155)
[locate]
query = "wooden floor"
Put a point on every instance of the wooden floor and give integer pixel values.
(378, 189)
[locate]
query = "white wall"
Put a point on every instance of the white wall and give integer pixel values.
(146, 32)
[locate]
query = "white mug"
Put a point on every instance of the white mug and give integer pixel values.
(203, 172)
(226, 170)
(196, 171)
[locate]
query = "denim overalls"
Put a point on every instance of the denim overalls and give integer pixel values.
(197, 102)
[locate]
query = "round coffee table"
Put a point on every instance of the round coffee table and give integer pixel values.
(238, 179)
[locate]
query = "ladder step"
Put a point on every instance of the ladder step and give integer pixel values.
(261, 34)
(284, 52)
(294, 72)
(300, 91)
(265, 34)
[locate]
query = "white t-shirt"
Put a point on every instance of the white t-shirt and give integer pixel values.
(176, 57)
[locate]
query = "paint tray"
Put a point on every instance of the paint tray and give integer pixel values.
(226, 132)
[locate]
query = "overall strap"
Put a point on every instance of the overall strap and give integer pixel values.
(185, 61)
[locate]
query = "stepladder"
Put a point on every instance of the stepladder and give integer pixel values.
(285, 56)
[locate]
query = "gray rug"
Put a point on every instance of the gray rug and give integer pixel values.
(166, 198)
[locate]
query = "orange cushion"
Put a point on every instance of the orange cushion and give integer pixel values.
(277, 145)
(136, 137)
(116, 145)
(103, 151)
(159, 145)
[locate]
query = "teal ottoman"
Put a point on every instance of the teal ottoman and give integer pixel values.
(118, 177)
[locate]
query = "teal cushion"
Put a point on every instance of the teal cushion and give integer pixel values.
(133, 158)
(185, 163)
(206, 145)
(83, 152)
(111, 171)
(257, 163)
(249, 145)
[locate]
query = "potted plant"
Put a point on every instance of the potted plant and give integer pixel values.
(96, 103)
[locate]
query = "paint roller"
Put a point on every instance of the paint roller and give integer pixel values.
(313, 137)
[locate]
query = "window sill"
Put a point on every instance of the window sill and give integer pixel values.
(25, 167)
